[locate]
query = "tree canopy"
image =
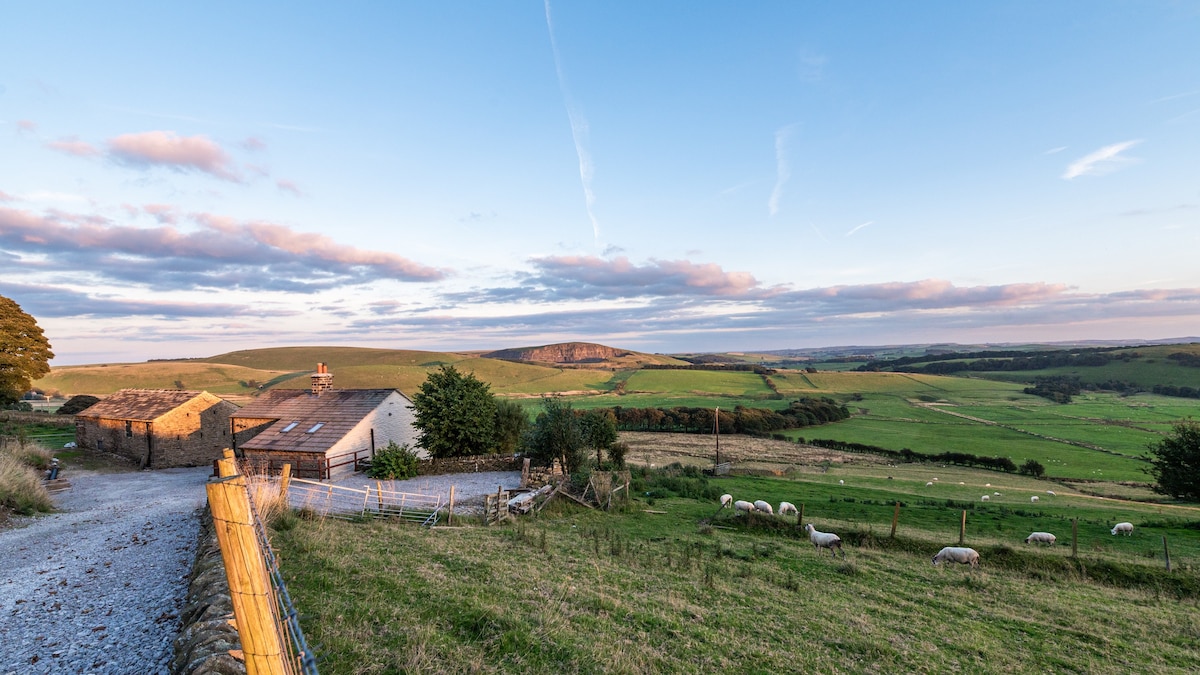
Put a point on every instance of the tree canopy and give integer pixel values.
(24, 351)
(1175, 462)
(455, 414)
(557, 434)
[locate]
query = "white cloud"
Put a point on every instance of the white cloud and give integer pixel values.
(783, 171)
(1101, 161)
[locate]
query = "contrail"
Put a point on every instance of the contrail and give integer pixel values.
(579, 131)
(782, 170)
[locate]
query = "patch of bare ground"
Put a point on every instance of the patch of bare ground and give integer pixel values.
(747, 453)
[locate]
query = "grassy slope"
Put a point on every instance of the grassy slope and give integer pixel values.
(641, 592)
(101, 380)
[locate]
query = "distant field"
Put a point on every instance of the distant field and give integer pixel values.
(101, 380)
(699, 382)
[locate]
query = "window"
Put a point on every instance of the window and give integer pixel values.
(289, 427)
(128, 429)
(314, 428)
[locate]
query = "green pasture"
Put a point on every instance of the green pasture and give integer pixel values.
(671, 584)
(702, 382)
(101, 380)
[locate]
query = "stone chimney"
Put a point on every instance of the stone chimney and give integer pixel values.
(322, 380)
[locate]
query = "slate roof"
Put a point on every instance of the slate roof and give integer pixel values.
(338, 411)
(139, 405)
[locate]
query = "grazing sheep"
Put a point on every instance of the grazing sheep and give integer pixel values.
(984, 498)
(825, 540)
(958, 554)
(1050, 492)
(841, 482)
(987, 485)
(1041, 538)
(961, 483)
(935, 478)
(929, 484)
(742, 506)
(726, 501)
(1127, 528)
(996, 493)
(1034, 499)
(760, 505)
(786, 508)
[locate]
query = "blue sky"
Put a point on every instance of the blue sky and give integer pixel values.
(186, 179)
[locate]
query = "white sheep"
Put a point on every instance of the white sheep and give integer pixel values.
(825, 540)
(760, 505)
(1127, 528)
(742, 506)
(987, 485)
(929, 484)
(958, 554)
(984, 498)
(1041, 538)
(841, 482)
(1050, 492)
(726, 501)
(786, 508)
(1034, 499)
(935, 478)
(996, 493)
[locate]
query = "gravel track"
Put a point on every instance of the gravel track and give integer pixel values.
(97, 587)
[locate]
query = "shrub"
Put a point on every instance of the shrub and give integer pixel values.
(395, 462)
(21, 489)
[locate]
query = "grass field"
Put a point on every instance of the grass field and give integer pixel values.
(663, 586)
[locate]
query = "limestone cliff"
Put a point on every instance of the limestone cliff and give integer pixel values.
(566, 352)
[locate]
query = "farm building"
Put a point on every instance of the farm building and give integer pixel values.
(322, 432)
(157, 428)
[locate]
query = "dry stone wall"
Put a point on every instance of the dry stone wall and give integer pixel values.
(206, 634)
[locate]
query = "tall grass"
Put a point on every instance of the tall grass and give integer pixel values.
(21, 489)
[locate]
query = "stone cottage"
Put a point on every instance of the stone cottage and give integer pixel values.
(322, 432)
(157, 428)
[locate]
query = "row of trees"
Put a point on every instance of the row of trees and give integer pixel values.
(741, 420)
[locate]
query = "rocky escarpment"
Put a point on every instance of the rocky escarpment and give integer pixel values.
(566, 352)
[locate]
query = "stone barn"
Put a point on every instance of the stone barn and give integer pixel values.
(322, 432)
(157, 428)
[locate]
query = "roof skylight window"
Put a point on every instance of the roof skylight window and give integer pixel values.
(289, 427)
(316, 426)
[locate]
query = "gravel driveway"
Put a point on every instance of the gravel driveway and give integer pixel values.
(98, 586)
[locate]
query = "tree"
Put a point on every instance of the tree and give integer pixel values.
(455, 414)
(1175, 462)
(77, 403)
(24, 351)
(1033, 468)
(556, 434)
(511, 423)
(599, 428)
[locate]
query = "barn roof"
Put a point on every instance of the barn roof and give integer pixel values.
(307, 423)
(140, 405)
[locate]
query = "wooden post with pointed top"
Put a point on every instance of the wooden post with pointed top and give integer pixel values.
(250, 590)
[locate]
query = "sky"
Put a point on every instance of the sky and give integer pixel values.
(187, 179)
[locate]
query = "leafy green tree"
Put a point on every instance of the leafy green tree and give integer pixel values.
(24, 351)
(77, 403)
(511, 423)
(556, 434)
(1033, 468)
(599, 428)
(455, 414)
(1175, 462)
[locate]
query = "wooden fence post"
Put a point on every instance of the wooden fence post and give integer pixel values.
(249, 586)
(450, 511)
(895, 518)
(285, 481)
(227, 467)
(1167, 553)
(962, 529)
(800, 518)
(1074, 537)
